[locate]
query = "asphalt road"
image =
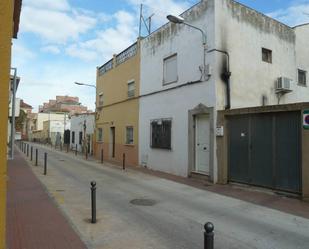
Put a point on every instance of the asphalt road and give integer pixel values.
(176, 218)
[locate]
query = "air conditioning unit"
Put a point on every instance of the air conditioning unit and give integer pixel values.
(283, 85)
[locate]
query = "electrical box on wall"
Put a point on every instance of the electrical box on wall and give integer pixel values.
(219, 131)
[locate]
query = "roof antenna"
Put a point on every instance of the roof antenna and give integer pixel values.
(146, 22)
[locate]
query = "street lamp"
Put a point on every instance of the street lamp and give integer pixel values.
(83, 84)
(180, 20)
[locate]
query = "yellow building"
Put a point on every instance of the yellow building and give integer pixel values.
(9, 22)
(117, 106)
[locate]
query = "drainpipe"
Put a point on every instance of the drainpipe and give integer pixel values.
(226, 75)
(13, 116)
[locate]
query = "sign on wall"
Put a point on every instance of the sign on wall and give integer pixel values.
(306, 119)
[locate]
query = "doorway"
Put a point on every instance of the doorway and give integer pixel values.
(112, 142)
(202, 143)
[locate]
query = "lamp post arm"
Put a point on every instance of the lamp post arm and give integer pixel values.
(83, 84)
(202, 31)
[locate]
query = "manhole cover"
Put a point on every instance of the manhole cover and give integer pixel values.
(143, 202)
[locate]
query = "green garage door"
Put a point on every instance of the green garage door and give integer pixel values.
(264, 150)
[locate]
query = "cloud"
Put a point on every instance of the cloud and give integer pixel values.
(107, 41)
(292, 16)
(61, 5)
(161, 8)
(21, 54)
(51, 49)
(55, 26)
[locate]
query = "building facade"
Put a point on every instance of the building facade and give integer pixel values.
(82, 132)
(63, 104)
(9, 23)
(117, 106)
(43, 133)
(249, 60)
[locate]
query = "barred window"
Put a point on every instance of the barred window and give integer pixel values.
(131, 89)
(129, 135)
(161, 134)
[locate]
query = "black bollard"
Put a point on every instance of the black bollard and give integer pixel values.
(93, 202)
(76, 150)
(124, 161)
(86, 153)
(27, 150)
(36, 157)
(31, 153)
(45, 163)
(102, 156)
(209, 236)
(67, 148)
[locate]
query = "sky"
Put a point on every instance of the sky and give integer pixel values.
(63, 41)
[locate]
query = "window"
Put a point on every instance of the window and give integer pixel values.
(80, 137)
(129, 135)
(161, 134)
(131, 89)
(266, 55)
(73, 137)
(101, 99)
(302, 77)
(100, 134)
(170, 69)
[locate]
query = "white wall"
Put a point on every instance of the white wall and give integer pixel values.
(243, 32)
(49, 116)
(77, 126)
(175, 103)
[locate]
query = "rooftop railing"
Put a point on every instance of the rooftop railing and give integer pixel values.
(119, 59)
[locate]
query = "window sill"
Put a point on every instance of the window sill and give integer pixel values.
(129, 145)
(302, 85)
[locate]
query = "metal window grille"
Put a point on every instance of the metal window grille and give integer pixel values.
(131, 89)
(100, 134)
(129, 133)
(161, 134)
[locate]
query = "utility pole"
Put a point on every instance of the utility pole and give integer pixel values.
(12, 140)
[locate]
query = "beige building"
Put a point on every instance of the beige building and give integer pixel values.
(117, 106)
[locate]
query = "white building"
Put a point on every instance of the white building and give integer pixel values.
(179, 104)
(82, 132)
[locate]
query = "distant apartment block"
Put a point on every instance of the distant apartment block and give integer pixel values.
(63, 104)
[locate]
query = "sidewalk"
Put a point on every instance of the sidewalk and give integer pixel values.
(33, 220)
